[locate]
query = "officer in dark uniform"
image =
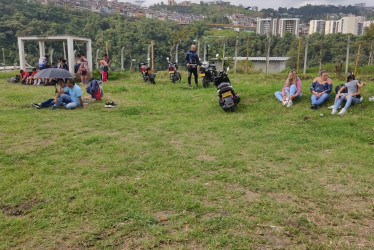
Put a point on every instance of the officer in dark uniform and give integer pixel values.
(192, 60)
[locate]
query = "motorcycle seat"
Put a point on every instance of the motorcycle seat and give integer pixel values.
(224, 84)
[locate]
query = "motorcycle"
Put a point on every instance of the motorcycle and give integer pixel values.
(227, 98)
(147, 73)
(174, 75)
(208, 72)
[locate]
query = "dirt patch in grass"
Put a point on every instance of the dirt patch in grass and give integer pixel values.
(203, 157)
(20, 209)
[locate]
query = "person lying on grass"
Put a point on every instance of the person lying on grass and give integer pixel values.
(351, 97)
(63, 89)
(321, 88)
(71, 101)
(291, 89)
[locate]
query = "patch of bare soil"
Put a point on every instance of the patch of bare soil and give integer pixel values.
(203, 157)
(20, 209)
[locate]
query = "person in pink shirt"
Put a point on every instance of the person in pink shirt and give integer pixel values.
(291, 89)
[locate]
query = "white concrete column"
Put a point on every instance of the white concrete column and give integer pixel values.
(41, 48)
(89, 55)
(21, 51)
(71, 55)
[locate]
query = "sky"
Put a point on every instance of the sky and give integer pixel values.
(275, 4)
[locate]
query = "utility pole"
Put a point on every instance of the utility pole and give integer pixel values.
(358, 58)
(64, 48)
(371, 55)
(204, 51)
(236, 55)
(298, 57)
(306, 53)
(149, 55)
(347, 58)
(107, 48)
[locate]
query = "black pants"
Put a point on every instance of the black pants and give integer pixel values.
(190, 72)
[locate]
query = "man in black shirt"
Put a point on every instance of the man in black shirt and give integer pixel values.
(192, 60)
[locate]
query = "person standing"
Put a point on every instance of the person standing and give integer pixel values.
(104, 67)
(83, 69)
(192, 60)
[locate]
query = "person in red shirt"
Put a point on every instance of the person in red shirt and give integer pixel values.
(23, 76)
(31, 79)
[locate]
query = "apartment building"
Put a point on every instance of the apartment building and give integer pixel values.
(290, 25)
(266, 26)
(317, 26)
(330, 27)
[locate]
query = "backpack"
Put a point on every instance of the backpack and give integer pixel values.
(337, 88)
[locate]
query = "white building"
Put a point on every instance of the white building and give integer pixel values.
(330, 27)
(288, 25)
(317, 26)
(266, 26)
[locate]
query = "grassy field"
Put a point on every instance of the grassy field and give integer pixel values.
(168, 168)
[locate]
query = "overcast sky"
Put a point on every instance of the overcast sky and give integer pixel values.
(272, 3)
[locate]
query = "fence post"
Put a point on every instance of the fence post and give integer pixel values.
(298, 57)
(223, 54)
(306, 53)
(236, 55)
(122, 67)
(268, 55)
(153, 55)
(358, 58)
(247, 61)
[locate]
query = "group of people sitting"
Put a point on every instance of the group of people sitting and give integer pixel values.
(321, 88)
(70, 96)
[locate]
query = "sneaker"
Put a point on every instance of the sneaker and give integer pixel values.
(334, 111)
(189, 86)
(289, 104)
(342, 112)
(313, 106)
(361, 99)
(331, 107)
(371, 98)
(284, 103)
(35, 105)
(53, 107)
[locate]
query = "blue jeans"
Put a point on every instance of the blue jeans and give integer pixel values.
(47, 103)
(321, 100)
(349, 101)
(65, 100)
(293, 90)
(90, 91)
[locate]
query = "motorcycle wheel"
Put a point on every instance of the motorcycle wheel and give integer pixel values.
(174, 78)
(179, 77)
(152, 79)
(206, 82)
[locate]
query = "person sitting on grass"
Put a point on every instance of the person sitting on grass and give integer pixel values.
(71, 101)
(23, 75)
(95, 90)
(351, 97)
(63, 89)
(291, 89)
(31, 80)
(321, 88)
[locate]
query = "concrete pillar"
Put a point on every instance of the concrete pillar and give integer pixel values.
(41, 49)
(89, 55)
(71, 55)
(21, 51)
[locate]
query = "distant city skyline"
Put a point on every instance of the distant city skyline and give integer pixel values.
(275, 4)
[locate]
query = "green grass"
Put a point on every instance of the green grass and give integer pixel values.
(168, 168)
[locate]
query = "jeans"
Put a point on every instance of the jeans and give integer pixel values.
(65, 100)
(90, 91)
(293, 90)
(349, 101)
(47, 103)
(321, 100)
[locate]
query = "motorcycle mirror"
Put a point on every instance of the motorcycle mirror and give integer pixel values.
(228, 68)
(167, 58)
(217, 55)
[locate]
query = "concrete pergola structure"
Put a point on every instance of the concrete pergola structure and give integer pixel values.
(68, 39)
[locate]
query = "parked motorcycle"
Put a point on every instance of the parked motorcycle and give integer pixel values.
(227, 98)
(174, 75)
(147, 73)
(208, 72)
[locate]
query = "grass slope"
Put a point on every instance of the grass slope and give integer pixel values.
(168, 168)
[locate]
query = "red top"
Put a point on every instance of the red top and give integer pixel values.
(34, 73)
(25, 73)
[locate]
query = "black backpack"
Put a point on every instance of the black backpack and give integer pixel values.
(337, 88)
